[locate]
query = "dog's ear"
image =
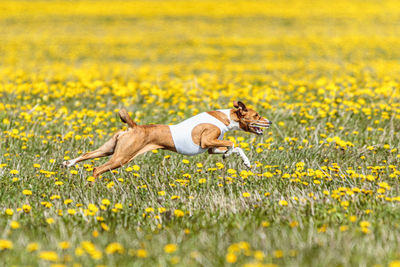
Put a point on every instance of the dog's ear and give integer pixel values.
(239, 105)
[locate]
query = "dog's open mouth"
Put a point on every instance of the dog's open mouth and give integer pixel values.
(258, 127)
(258, 130)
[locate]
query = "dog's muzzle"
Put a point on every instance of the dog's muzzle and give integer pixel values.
(259, 126)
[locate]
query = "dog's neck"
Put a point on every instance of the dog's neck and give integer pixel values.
(233, 120)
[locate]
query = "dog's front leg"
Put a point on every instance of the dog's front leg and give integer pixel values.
(209, 139)
(218, 150)
(227, 151)
(236, 150)
(239, 151)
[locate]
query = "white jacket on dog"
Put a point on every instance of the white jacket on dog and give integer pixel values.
(182, 133)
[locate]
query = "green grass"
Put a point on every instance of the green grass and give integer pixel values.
(324, 187)
(216, 214)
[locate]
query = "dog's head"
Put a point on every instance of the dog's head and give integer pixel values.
(249, 119)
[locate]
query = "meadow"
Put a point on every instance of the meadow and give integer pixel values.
(324, 186)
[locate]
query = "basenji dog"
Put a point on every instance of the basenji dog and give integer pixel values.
(191, 137)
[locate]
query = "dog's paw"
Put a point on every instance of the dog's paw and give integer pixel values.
(247, 164)
(67, 164)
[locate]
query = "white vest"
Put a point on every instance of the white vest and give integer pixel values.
(182, 132)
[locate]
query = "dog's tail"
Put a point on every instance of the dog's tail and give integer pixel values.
(124, 115)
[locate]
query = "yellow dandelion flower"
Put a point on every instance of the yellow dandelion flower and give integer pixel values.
(5, 244)
(26, 208)
(64, 245)
(14, 225)
(231, 257)
(365, 230)
(14, 172)
(278, 254)
(105, 227)
(9, 212)
(141, 253)
(179, 213)
(31, 247)
(105, 201)
(353, 218)
(136, 168)
(95, 233)
(114, 248)
(150, 209)
(219, 165)
(231, 171)
(283, 202)
(259, 255)
(48, 255)
(55, 197)
(71, 211)
(79, 251)
(345, 203)
(93, 207)
(265, 224)
(365, 224)
(246, 194)
(170, 248)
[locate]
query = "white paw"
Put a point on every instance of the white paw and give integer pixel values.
(67, 163)
(247, 164)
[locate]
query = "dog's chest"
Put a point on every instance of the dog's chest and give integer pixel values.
(182, 133)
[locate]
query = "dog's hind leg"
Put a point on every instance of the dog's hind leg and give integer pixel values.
(109, 166)
(106, 149)
(122, 156)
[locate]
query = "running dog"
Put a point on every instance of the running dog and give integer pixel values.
(190, 137)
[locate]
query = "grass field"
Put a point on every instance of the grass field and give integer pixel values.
(324, 187)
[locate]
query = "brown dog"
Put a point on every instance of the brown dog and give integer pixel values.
(190, 137)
